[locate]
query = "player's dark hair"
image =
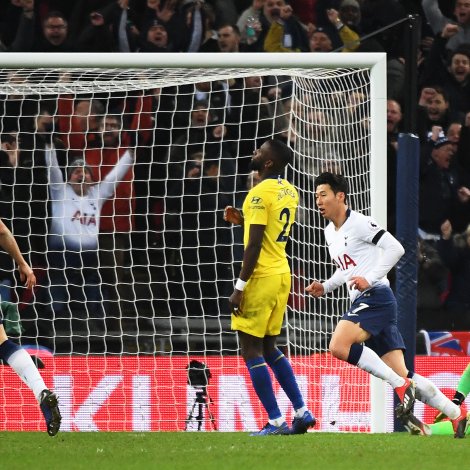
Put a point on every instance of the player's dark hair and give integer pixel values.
(337, 183)
(281, 152)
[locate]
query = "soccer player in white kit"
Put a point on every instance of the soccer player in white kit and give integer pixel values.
(367, 335)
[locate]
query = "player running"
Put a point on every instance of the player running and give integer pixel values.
(441, 426)
(16, 357)
(259, 299)
(367, 336)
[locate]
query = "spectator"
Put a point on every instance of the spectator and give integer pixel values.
(229, 38)
(73, 239)
(453, 74)
(435, 113)
(155, 39)
(79, 123)
(280, 30)
(198, 239)
(442, 195)
(455, 34)
(320, 41)
(455, 253)
(344, 21)
(116, 220)
(252, 13)
(206, 136)
(54, 34)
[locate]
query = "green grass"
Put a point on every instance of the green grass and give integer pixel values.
(207, 451)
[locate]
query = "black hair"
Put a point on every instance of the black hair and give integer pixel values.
(234, 27)
(338, 183)
(281, 152)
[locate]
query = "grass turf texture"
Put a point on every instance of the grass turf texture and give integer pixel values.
(207, 451)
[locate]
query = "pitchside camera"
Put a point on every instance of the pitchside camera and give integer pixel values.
(198, 374)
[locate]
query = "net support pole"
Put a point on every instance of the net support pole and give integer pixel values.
(378, 172)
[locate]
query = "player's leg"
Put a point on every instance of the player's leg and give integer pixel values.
(346, 344)
(280, 365)
(251, 322)
(277, 361)
(252, 353)
(20, 361)
(428, 393)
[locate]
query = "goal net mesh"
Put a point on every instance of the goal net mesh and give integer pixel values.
(135, 284)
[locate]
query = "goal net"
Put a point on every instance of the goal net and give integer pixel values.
(114, 178)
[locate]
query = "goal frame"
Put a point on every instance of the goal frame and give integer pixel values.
(376, 62)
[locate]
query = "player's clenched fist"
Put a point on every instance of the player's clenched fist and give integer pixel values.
(232, 215)
(316, 289)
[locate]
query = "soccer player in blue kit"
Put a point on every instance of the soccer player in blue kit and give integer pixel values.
(367, 335)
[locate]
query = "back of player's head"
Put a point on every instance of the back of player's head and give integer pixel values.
(338, 183)
(281, 154)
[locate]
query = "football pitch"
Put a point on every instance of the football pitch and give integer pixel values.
(207, 451)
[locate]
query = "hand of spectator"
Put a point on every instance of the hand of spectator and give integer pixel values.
(333, 16)
(311, 28)
(194, 172)
(28, 7)
(219, 131)
(274, 93)
(446, 230)
(449, 30)
(164, 14)
(286, 12)
(96, 18)
(153, 4)
(257, 5)
(316, 289)
(463, 194)
(427, 94)
(426, 43)
(436, 132)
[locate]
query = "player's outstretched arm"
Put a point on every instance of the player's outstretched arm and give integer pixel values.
(233, 216)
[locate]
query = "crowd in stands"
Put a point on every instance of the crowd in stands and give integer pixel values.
(201, 136)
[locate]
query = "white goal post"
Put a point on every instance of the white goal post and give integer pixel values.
(330, 108)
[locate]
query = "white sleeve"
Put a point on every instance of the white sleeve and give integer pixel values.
(433, 14)
(334, 281)
(56, 179)
(392, 251)
(107, 187)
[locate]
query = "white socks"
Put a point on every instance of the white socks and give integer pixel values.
(20, 361)
(371, 362)
(432, 396)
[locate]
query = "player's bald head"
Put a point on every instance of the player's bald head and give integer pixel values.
(281, 154)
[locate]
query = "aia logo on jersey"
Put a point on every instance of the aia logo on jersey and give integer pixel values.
(256, 200)
(84, 219)
(344, 262)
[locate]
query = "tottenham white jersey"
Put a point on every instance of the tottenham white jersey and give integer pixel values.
(353, 248)
(76, 219)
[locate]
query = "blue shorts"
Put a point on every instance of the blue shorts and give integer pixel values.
(376, 311)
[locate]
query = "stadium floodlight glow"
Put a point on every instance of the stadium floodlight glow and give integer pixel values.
(176, 271)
